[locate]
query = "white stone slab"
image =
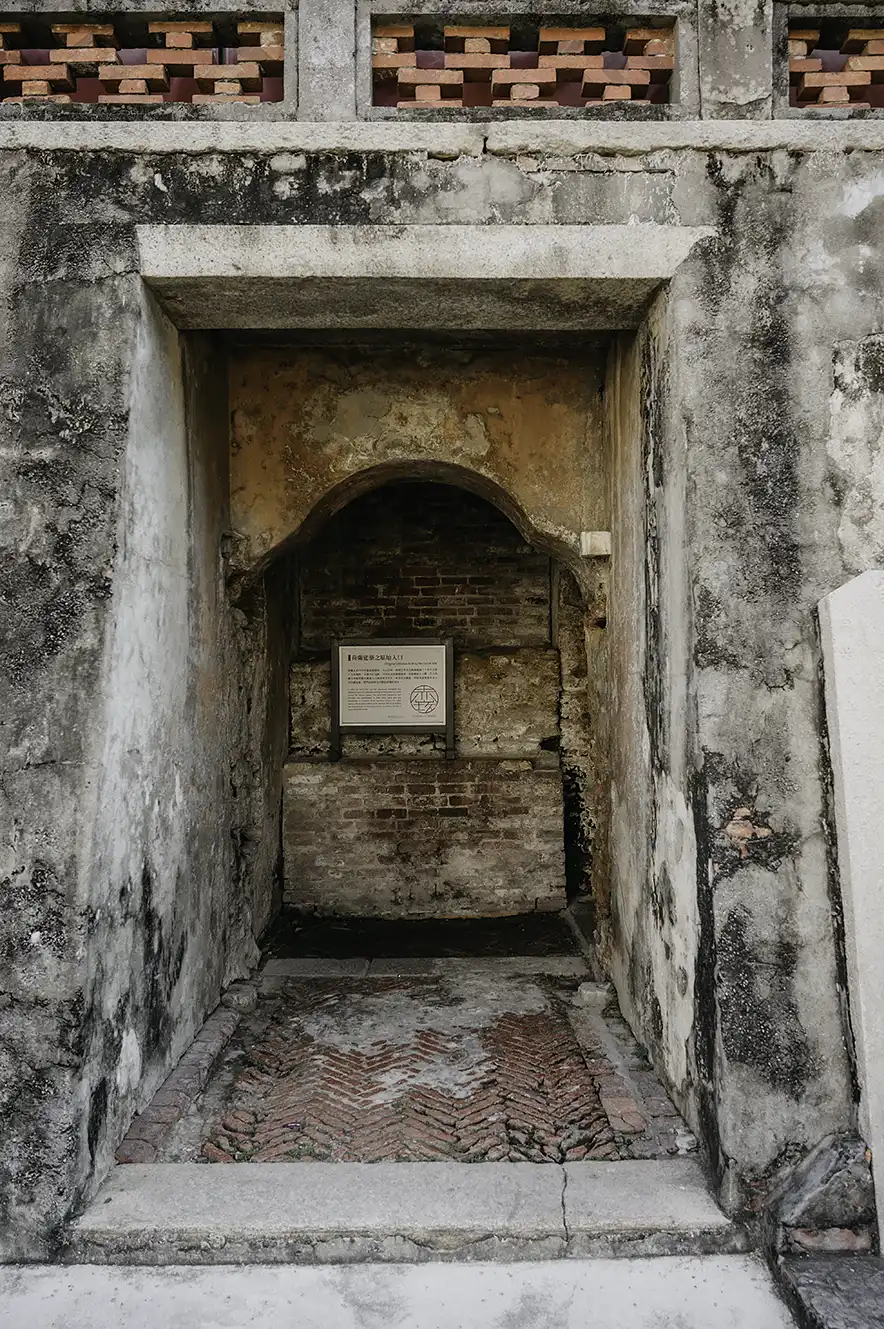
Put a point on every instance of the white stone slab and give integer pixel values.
(309, 966)
(731, 1292)
(500, 966)
(852, 634)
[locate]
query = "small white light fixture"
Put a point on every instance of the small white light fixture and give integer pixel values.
(595, 544)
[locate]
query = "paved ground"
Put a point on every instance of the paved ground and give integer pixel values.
(470, 1063)
(720, 1292)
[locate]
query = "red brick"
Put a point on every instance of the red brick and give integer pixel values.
(136, 1151)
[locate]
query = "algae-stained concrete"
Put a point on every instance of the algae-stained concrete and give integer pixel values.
(748, 435)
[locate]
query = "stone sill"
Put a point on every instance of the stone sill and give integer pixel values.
(613, 112)
(841, 114)
(441, 139)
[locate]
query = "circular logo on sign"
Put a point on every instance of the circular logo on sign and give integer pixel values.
(424, 699)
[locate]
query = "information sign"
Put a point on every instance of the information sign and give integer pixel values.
(383, 685)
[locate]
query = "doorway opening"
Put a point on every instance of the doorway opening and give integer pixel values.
(423, 994)
(394, 830)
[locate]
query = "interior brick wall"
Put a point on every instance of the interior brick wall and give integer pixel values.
(423, 838)
(395, 829)
(424, 560)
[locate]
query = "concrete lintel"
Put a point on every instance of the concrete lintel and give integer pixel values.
(643, 251)
(509, 277)
(852, 638)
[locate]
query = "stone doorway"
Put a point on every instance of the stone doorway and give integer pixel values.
(423, 995)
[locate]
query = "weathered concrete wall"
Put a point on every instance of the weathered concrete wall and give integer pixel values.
(757, 474)
(63, 414)
(125, 700)
(423, 838)
(770, 456)
(584, 709)
(306, 426)
(157, 866)
(650, 941)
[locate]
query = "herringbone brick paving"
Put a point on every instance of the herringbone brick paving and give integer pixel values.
(423, 1069)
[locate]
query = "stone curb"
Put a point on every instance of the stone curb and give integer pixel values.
(149, 1130)
(644, 1121)
(325, 1213)
(558, 966)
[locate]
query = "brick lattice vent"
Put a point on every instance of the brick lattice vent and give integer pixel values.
(422, 65)
(142, 60)
(832, 64)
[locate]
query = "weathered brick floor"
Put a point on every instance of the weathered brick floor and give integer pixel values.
(460, 1066)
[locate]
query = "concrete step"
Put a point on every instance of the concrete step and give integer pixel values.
(326, 1213)
(275, 970)
(711, 1292)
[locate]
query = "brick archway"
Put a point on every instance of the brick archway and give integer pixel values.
(395, 829)
(312, 427)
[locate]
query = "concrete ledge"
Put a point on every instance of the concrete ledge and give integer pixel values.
(321, 1213)
(267, 137)
(569, 138)
(442, 139)
(645, 1208)
(364, 276)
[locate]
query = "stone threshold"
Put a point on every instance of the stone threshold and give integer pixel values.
(556, 966)
(336, 1213)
